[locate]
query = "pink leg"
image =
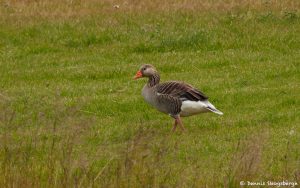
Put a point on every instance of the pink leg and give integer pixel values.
(175, 125)
(180, 123)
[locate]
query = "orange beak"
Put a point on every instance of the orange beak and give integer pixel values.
(138, 75)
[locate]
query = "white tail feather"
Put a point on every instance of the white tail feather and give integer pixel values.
(215, 111)
(190, 108)
(212, 108)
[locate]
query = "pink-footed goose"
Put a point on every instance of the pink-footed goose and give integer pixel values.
(174, 98)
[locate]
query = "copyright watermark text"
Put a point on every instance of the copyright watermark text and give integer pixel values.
(269, 183)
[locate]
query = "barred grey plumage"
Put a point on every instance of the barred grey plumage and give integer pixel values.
(174, 98)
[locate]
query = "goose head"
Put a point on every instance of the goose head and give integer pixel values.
(146, 70)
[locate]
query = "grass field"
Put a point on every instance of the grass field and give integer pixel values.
(71, 115)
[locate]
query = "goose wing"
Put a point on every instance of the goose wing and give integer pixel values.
(181, 90)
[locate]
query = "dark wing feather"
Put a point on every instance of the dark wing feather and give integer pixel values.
(181, 90)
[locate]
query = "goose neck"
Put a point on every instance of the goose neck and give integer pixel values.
(153, 80)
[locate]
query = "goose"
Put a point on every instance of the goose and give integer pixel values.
(175, 98)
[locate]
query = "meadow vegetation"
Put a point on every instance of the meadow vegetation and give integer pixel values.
(71, 115)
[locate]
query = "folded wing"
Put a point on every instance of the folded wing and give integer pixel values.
(181, 90)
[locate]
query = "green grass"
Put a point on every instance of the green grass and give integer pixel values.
(71, 115)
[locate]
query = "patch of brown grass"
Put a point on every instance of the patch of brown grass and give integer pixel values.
(141, 163)
(246, 163)
(44, 154)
